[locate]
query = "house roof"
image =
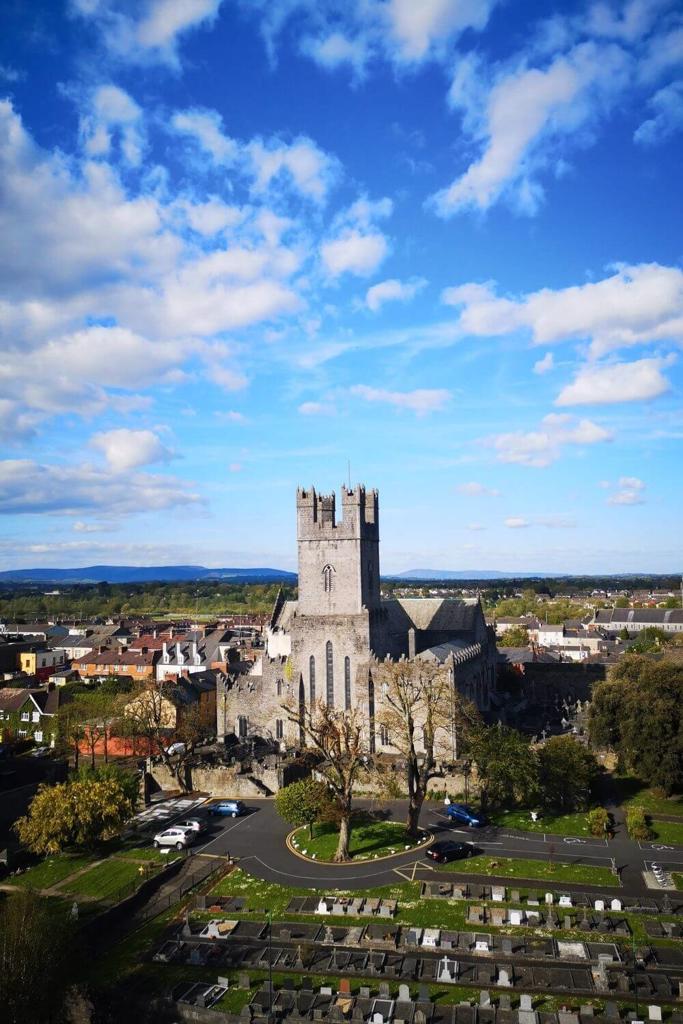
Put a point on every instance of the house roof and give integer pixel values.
(12, 699)
(117, 658)
(432, 614)
(649, 616)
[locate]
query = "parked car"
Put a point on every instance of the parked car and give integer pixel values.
(175, 836)
(40, 752)
(198, 825)
(233, 808)
(448, 849)
(175, 748)
(465, 815)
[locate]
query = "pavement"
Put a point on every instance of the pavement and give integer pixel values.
(257, 840)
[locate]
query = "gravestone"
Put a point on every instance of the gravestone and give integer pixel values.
(525, 1003)
(364, 992)
(200, 902)
(403, 994)
(419, 1017)
(444, 970)
(329, 935)
(223, 982)
(567, 923)
(516, 917)
(481, 946)
(654, 1013)
(498, 893)
(484, 998)
(322, 908)
(611, 1011)
(586, 1010)
(243, 980)
(507, 947)
(567, 1017)
(384, 990)
(504, 978)
(615, 905)
(325, 990)
(423, 994)
(549, 898)
(505, 1002)
(344, 987)
(599, 905)
(285, 934)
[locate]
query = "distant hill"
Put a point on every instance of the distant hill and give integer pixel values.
(146, 574)
(472, 574)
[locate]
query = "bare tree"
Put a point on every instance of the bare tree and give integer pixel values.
(337, 736)
(152, 715)
(420, 708)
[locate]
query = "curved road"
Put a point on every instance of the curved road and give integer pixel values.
(258, 840)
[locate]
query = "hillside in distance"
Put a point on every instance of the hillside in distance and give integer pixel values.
(146, 574)
(472, 574)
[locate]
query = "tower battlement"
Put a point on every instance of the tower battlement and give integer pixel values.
(316, 513)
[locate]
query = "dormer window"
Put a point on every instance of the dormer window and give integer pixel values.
(328, 574)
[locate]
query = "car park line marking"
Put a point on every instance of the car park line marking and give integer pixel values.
(228, 828)
(315, 878)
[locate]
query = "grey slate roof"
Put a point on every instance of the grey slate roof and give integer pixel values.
(432, 614)
(652, 616)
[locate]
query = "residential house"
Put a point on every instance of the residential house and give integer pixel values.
(633, 620)
(41, 662)
(29, 714)
(138, 665)
(194, 653)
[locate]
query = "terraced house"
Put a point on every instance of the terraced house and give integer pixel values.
(29, 714)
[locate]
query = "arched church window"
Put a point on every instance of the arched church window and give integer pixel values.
(329, 674)
(311, 679)
(242, 726)
(328, 574)
(347, 682)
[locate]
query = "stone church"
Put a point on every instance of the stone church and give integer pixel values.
(322, 647)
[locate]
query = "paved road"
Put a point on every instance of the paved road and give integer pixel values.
(257, 839)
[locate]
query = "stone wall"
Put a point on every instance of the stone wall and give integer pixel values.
(223, 780)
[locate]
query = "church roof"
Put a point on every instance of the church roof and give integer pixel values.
(432, 614)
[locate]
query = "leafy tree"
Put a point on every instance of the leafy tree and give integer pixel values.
(567, 774)
(303, 803)
(36, 948)
(638, 712)
(637, 824)
(622, 602)
(77, 814)
(507, 767)
(337, 736)
(420, 709)
(152, 716)
(516, 636)
(598, 821)
(650, 640)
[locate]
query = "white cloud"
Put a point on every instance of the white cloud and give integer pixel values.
(231, 416)
(635, 305)
(316, 409)
(418, 28)
(153, 35)
(475, 527)
(392, 290)
(541, 447)
(336, 49)
(29, 487)
(81, 527)
(630, 492)
(620, 382)
(629, 23)
(355, 253)
(128, 449)
(667, 104)
(545, 365)
(112, 109)
(212, 216)
(309, 170)
(205, 128)
(421, 401)
(516, 522)
(473, 489)
(521, 113)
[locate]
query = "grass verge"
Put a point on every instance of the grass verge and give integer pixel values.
(106, 881)
(52, 870)
(510, 867)
(560, 824)
(369, 839)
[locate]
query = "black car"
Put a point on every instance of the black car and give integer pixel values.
(448, 849)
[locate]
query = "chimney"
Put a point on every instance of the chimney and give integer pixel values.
(164, 651)
(411, 642)
(195, 659)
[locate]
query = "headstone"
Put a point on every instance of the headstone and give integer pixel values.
(481, 946)
(384, 990)
(565, 901)
(666, 904)
(200, 902)
(325, 990)
(654, 1013)
(549, 898)
(615, 905)
(599, 905)
(423, 994)
(243, 980)
(322, 908)
(507, 947)
(285, 934)
(567, 924)
(484, 998)
(329, 935)
(611, 1011)
(586, 1010)
(516, 917)
(514, 896)
(504, 978)
(567, 1017)
(505, 1002)
(403, 993)
(364, 992)
(525, 1003)
(419, 1017)
(497, 893)
(345, 987)
(444, 970)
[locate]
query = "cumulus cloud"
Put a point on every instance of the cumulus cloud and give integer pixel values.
(335, 49)
(149, 35)
(517, 116)
(310, 171)
(473, 489)
(637, 304)
(629, 492)
(392, 290)
(421, 401)
(204, 128)
(316, 409)
(357, 246)
(667, 105)
(541, 447)
(516, 522)
(29, 487)
(113, 111)
(127, 449)
(618, 382)
(421, 29)
(544, 365)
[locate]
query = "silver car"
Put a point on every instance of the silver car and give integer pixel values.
(177, 836)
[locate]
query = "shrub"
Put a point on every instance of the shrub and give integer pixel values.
(598, 821)
(637, 824)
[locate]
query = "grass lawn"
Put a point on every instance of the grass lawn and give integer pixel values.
(52, 870)
(668, 831)
(368, 839)
(561, 824)
(105, 881)
(148, 853)
(634, 792)
(508, 867)
(678, 880)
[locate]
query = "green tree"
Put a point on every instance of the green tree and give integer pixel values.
(516, 636)
(637, 824)
(622, 602)
(78, 814)
(507, 767)
(567, 774)
(638, 712)
(303, 803)
(598, 821)
(34, 937)
(651, 640)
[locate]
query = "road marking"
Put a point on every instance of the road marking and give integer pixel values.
(337, 880)
(228, 828)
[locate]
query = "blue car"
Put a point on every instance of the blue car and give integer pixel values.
(231, 808)
(465, 815)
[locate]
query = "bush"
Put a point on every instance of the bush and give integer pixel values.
(637, 823)
(598, 821)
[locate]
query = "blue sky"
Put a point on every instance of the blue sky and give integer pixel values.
(248, 242)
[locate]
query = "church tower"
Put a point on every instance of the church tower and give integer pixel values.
(338, 561)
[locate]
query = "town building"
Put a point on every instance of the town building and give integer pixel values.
(633, 620)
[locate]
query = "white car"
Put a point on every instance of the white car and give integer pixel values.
(196, 825)
(176, 748)
(177, 836)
